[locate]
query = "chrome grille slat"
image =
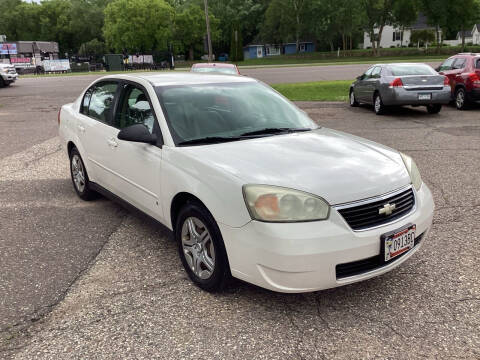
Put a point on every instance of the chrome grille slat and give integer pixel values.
(363, 216)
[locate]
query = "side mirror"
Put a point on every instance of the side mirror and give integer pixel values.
(137, 133)
(360, 77)
(437, 69)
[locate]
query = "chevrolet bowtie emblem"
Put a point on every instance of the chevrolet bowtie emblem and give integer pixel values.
(387, 209)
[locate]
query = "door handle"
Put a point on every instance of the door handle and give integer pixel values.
(81, 128)
(112, 143)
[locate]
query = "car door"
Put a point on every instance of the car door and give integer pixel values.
(94, 129)
(458, 68)
(360, 87)
(447, 70)
(371, 84)
(136, 166)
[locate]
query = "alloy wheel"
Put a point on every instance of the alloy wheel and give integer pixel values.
(378, 104)
(460, 100)
(78, 173)
(352, 98)
(198, 247)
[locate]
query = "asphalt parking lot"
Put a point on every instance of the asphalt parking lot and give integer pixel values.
(91, 280)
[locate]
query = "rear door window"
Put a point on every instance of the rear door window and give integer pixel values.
(368, 73)
(477, 64)
(459, 63)
(377, 70)
(101, 101)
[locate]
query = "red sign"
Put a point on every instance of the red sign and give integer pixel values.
(21, 60)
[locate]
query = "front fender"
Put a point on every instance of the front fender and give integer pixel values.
(219, 191)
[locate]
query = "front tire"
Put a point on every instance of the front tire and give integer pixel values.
(434, 108)
(461, 101)
(353, 100)
(201, 247)
(80, 180)
(378, 106)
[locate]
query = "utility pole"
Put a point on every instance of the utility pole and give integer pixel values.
(209, 37)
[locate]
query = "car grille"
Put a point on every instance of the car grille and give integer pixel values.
(368, 215)
(369, 264)
(11, 71)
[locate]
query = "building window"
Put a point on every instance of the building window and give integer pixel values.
(397, 36)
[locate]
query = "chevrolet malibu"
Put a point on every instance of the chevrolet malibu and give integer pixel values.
(387, 85)
(250, 185)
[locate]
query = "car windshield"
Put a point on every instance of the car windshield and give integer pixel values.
(228, 111)
(405, 70)
(223, 70)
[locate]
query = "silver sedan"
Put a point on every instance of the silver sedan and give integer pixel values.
(385, 85)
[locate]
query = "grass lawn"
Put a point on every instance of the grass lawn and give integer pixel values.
(315, 91)
(276, 61)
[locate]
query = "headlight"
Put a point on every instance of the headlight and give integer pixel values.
(3, 71)
(279, 204)
(412, 171)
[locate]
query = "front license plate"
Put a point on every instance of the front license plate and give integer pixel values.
(396, 243)
(424, 96)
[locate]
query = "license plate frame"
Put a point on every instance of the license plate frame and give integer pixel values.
(397, 242)
(424, 96)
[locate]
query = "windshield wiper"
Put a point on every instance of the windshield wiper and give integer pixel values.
(274, 131)
(210, 140)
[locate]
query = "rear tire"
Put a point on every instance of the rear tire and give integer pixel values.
(378, 106)
(461, 101)
(2, 82)
(80, 180)
(434, 108)
(353, 100)
(201, 248)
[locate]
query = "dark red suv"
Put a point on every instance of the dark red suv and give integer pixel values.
(463, 71)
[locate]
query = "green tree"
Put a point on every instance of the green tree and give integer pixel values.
(236, 47)
(462, 15)
(138, 25)
(422, 36)
(378, 14)
(190, 28)
(245, 16)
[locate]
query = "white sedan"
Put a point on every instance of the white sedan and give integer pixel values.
(249, 184)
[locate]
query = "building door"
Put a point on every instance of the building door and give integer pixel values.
(259, 52)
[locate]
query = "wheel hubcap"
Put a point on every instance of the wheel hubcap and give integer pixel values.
(460, 99)
(198, 248)
(78, 173)
(377, 104)
(352, 98)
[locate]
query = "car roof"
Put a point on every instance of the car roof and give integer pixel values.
(209, 65)
(182, 78)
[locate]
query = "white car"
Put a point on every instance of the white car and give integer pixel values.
(249, 184)
(8, 75)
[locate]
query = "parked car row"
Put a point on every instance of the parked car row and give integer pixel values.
(399, 84)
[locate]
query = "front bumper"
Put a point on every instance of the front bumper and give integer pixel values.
(302, 257)
(402, 96)
(9, 77)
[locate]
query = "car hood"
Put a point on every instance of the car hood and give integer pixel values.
(336, 166)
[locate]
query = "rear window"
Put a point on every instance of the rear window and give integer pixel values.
(405, 70)
(223, 70)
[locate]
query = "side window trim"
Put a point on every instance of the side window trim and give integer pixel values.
(122, 88)
(90, 90)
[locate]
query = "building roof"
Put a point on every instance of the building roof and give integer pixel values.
(476, 26)
(45, 46)
(468, 34)
(421, 23)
